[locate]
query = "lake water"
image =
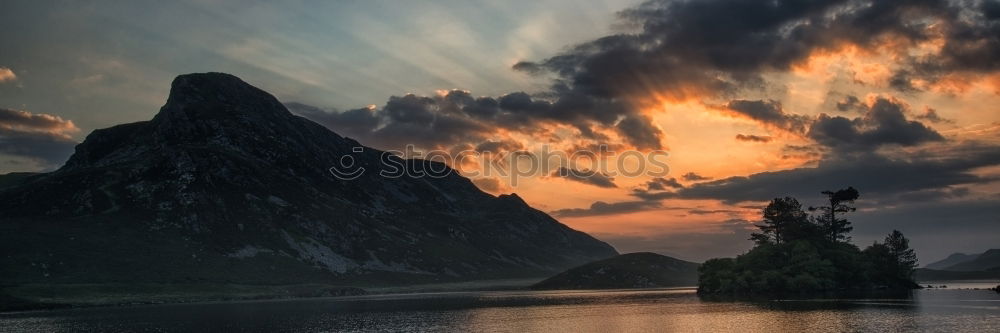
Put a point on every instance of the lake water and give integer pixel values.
(935, 310)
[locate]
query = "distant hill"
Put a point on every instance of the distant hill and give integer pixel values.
(986, 261)
(953, 259)
(633, 270)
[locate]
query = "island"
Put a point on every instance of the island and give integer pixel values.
(797, 253)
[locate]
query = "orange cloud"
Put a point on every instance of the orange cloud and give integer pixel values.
(491, 185)
(6, 74)
(25, 121)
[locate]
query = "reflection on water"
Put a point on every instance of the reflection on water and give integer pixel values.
(573, 311)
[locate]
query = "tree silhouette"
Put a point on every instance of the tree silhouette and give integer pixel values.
(905, 258)
(892, 261)
(835, 229)
(784, 221)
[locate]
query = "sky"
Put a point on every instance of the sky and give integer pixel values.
(744, 101)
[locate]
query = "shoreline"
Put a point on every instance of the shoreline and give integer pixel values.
(81, 296)
(46, 297)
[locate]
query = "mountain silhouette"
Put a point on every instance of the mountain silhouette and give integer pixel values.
(989, 260)
(951, 260)
(225, 184)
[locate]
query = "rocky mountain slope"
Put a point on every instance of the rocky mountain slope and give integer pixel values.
(632, 270)
(225, 185)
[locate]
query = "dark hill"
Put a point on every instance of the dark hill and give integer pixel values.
(953, 259)
(987, 261)
(633, 270)
(225, 185)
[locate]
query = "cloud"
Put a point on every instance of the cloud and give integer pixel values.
(931, 115)
(849, 103)
(884, 123)
(752, 138)
(48, 149)
(704, 50)
(714, 49)
(528, 67)
(768, 112)
(492, 185)
(806, 152)
(716, 46)
(6, 74)
(585, 176)
(355, 123)
(455, 117)
(603, 208)
(499, 146)
(971, 46)
(40, 137)
(711, 211)
(875, 175)
(694, 177)
(35, 122)
(660, 184)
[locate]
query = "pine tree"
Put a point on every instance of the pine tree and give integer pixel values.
(784, 221)
(835, 229)
(905, 258)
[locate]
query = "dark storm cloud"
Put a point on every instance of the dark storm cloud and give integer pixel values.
(711, 211)
(603, 208)
(661, 184)
(639, 131)
(849, 103)
(972, 42)
(425, 122)
(498, 147)
(457, 117)
(710, 48)
(752, 138)
(901, 81)
(876, 176)
(769, 112)
(930, 195)
(356, 123)
(47, 148)
(40, 137)
(585, 176)
(528, 67)
(801, 152)
(694, 177)
(931, 115)
(883, 123)
(715, 47)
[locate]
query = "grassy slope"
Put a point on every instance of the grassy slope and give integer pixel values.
(633, 270)
(14, 178)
